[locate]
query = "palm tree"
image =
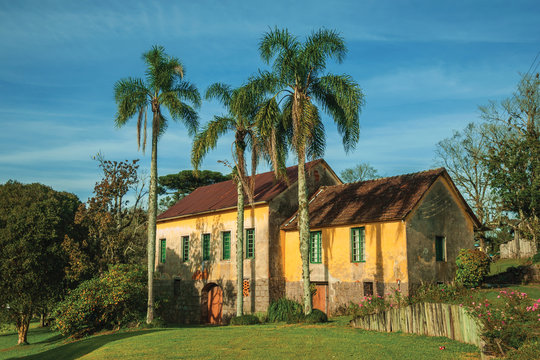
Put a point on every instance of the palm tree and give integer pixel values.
(297, 80)
(242, 107)
(163, 87)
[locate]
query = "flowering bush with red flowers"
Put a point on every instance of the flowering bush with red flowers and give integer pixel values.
(110, 301)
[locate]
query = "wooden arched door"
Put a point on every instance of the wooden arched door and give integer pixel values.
(215, 305)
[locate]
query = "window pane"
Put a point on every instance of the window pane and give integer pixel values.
(250, 243)
(439, 248)
(226, 245)
(206, 247)
(185, 248)
(357, 244)
(163, 250)
(315, 247)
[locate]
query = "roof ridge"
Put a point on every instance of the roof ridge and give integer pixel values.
(439, 169)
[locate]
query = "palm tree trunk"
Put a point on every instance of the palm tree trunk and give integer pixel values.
(303, 224)
(240, 251)
(152, 213)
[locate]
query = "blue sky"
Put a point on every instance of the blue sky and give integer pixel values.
(424, 66)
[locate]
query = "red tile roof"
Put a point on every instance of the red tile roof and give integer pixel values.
(223, 195)
(390, 198)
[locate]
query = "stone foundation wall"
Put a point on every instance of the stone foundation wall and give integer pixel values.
(181, 300)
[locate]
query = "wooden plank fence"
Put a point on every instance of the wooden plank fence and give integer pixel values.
(451, 321)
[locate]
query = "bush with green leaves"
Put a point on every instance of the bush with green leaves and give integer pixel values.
(472, 267)
(316, 316)
(113, 300)
(245, 320)
(536, 258)
(285, 310)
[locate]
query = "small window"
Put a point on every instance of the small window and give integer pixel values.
(368, 288)
(358, 236)
(250, 243)
(162, 250)
(440, 248)
(185, 248)
(206, 247)
(226, 245)
(315, 247)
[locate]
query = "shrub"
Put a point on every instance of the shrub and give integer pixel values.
(111, 301)
(285, 310)
(472, 267)
(510, 324)
(316, 316)
(262, 316)
(528, 351)
(245, 320)
(536, 258)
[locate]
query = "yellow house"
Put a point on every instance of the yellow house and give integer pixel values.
(196, 245)
(376, 236)
(366, 238)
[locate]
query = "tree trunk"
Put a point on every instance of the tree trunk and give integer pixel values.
(23, 323)
(240, 251)
(303, 225)
(152, 213)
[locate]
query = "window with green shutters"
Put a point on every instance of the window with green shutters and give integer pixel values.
(315, 247)
(162, 250)
(185, 248)
(250, 243)
(206, 247)
(358, 242)
(226, 242)
(440, 248)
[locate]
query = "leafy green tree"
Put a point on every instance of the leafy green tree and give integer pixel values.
(163, 88)
(176, 186)
(241, 106)
(513, 156)
(34, 219)
(116, 227)
(360, 172)
(297, 79)
(463, 157)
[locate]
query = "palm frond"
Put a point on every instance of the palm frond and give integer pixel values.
(130, 95)
(313, 131)
(342, 99)
(180, 111)
(275, 42)
(221, 92)
(207, 139)
(320, 46)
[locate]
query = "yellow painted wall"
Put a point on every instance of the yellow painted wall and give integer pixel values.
(385, 254)
(213, 223)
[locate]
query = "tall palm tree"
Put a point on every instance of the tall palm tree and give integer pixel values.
(298, 83)
(163, 87)
(242, 107)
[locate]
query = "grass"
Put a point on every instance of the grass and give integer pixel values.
(334, 340)
(502, 264)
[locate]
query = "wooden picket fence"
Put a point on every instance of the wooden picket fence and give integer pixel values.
(451, 321)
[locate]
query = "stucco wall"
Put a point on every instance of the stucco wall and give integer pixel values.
(441, 213)
(385, 262)
(217, 270)
(282, 207)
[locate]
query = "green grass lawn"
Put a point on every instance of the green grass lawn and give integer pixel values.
(501, 265)
(334, 340)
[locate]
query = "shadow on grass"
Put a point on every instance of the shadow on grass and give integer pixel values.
(80, 348)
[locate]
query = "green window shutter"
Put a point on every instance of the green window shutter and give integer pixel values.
(226, 239)
(206, 247)
(358, 244)
(440, 248)
(163, 250)
(185, 248)
(315, 247)
(250, 243)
